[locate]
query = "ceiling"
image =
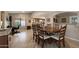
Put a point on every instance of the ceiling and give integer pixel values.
(44, 12)
(20, 11)
(41, 13)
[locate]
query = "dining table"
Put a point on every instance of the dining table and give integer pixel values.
(49, 31)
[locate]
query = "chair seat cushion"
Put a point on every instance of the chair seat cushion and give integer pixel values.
(56, 37)
(45, 37)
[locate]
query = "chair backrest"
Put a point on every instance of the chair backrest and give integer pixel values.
(34, 29)
(62, 32)
(40, 31)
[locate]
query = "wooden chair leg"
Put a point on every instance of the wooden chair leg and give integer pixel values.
(43, 41)
(63, 43)
(38, 40)
(59, 44)
(33, 37)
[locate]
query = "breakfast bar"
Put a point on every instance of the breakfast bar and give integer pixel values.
(4, 37)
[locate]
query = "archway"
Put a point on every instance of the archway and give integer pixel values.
(66, 17)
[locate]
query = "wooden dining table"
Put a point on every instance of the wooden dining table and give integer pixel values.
(50, 31)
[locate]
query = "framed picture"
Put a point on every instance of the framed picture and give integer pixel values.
(63, 20)
(48, 19)
(55, 20)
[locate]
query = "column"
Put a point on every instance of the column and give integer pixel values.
(0, 19)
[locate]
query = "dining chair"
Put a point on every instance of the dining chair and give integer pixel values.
(42, 37)
(36, 29)
(34, 32)
(60, 37)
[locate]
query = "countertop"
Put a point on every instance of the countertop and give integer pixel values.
(4, 32)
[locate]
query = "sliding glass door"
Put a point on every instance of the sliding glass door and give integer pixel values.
(20, 23)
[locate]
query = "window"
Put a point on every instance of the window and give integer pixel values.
(17, 23)
(22, 23)
(74, 19)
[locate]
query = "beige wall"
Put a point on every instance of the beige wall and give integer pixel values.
(65, 15)
(60, 17)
